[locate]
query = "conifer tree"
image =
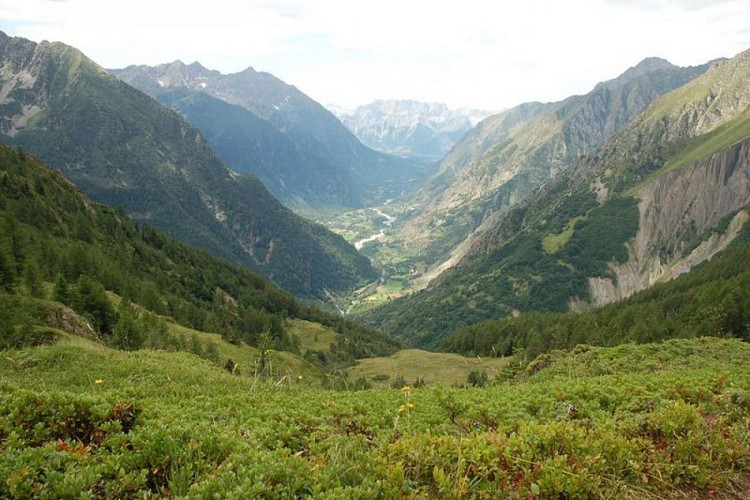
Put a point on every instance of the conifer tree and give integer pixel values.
(90, 299)
(62, 290)
(32, 278)
(126, 334)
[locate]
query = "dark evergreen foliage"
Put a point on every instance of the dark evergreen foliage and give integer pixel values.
(51, 230)
(713, 299)
(520, 274)
(125, 149)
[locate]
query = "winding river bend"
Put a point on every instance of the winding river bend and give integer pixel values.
(387, 223)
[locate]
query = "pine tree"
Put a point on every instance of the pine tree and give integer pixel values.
(91, 299)
(7, 267)
(62, 291)
(126, 334)
(7, 322)
(32, 278)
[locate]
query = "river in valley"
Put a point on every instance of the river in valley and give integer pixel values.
(387, 223)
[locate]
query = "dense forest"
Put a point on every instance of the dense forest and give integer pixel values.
(56, 245)
(711, 300)
(124, 149)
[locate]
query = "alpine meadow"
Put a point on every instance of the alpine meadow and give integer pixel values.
(214, 286)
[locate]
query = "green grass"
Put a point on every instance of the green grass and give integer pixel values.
(706, 145)
(432, 367)
(283, 364)
(654, 421)
(391, 289)
(553, 242)
(377, 294)
(313, 336)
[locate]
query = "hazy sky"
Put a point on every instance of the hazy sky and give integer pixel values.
(485, 54)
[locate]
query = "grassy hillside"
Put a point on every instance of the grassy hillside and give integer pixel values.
(653, 421)
(717, 140)
(58, 248)
(417, 367)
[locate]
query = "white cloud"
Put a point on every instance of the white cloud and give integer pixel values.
(474, 52)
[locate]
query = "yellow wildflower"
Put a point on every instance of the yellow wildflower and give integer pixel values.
(98, 381)
(405, 408)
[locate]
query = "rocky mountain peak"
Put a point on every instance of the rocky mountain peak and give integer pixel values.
(178, 73)
(648, 65)
(409, 127)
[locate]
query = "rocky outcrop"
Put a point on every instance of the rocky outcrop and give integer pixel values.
(64, 318)
(676, 212)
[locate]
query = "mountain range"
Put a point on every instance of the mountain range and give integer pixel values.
(411, 128)
(565, 224)
(260, 125)
(580, 255)
(557, 207)
(126, 149)
(511, 154)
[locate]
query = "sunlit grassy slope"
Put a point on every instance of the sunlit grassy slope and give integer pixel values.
(313, 336)
(660, 420)
(431, 367)
(283, 364)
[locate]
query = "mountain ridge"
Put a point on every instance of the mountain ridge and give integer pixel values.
(510, 155)
(124, 148)
(637, 210)
(647, 65)
(337, 170)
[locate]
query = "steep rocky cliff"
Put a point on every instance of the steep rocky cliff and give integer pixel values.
(677, 212)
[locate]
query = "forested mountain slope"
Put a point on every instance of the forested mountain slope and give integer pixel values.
(59, 248)
(125, 149)
(323, 165)
(510, 155)
(713, 299)
(644, 208)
